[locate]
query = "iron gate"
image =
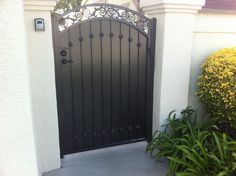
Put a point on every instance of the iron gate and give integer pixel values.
(104, 61)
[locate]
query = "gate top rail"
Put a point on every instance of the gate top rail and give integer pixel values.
(106, 11)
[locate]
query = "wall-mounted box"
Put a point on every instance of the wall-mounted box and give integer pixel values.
(39, 24)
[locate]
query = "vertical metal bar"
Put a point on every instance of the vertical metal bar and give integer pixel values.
(151, 67)
(129, 40)
(72, 90)
(147, 86)
(82, 83)
(92, 87)
(101, 80)
(137, 103)
(111, 78)
(120, 84)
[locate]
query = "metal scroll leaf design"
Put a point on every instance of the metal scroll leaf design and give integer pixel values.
(103, 11)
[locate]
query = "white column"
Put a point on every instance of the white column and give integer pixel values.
(42, 78)
(174, 33)
(17, 143)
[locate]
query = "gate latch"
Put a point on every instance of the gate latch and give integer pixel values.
(65, 61)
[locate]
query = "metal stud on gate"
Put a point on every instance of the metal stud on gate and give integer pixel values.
(75, 136)
(139, 44)
(91, 36)
(111, 34)
(130, 39)
(81, 39)
(121, 36)
(101, 34)
(70, 44)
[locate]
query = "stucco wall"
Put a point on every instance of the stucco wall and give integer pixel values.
(213, 31)
(42, 78)
(17, 143)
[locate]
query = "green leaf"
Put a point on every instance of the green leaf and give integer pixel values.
(177, 160)
(218, 145)
(223, 173)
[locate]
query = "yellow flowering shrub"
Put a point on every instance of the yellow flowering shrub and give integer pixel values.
(217, 85)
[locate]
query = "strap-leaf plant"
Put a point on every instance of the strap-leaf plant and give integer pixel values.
(193, 149)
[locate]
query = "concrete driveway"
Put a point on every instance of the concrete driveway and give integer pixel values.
(123, 160)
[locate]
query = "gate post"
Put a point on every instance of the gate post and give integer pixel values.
(42, 79)
(174, 33)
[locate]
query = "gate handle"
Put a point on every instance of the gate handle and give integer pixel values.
(65, 61)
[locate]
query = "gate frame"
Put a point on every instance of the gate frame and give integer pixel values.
(151, 39)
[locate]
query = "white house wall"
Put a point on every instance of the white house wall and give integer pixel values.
(213, 31)
(44, 105)
(175, 26)
(17, 142)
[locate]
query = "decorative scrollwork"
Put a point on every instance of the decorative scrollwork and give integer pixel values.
(101, 10)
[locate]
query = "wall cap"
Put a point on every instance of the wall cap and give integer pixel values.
(218, 11)
(152, 7)
(39, 5)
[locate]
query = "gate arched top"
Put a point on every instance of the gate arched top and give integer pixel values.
(104, 11)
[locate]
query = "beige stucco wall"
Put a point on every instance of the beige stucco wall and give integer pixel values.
(213, 31)
(17, 142)
(42, 83)
(42, 77)
(174, 37)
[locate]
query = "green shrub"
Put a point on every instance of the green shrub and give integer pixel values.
(191, 149)
(217, 86)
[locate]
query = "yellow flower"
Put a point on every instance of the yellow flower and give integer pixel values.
(217, 83)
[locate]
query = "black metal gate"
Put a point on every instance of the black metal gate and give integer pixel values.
(104, 60)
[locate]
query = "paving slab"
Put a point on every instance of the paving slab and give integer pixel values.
(123, 160)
